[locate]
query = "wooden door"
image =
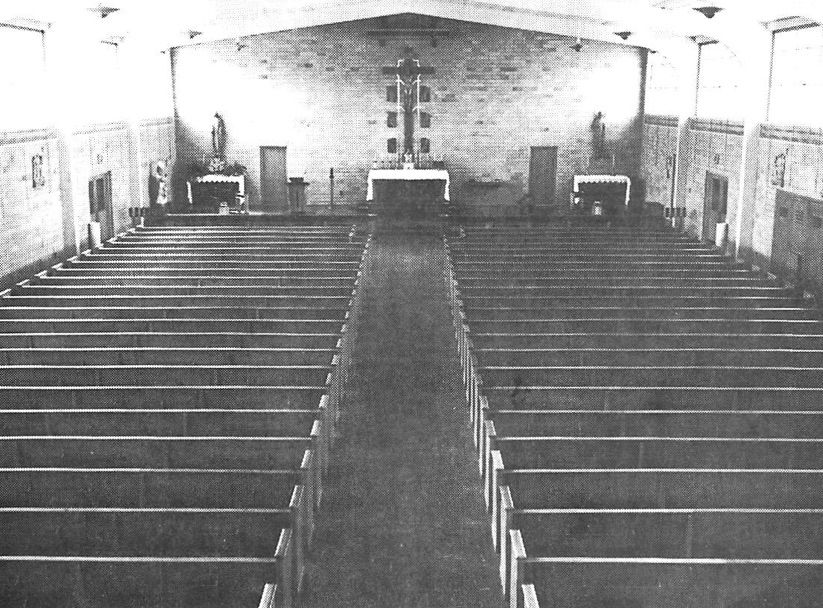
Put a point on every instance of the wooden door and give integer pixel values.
(100, 204)
(274, 194)
(543, 175)
(715, 204)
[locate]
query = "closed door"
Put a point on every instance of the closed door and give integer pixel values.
(543, 174)
(100, 204)
(715, 204)
(273, 178)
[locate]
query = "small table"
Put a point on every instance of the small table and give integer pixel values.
(408, 175)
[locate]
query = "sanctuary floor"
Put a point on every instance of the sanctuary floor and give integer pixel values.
(402, 522)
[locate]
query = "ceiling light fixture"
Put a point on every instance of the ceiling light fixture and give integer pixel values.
(104, 11)
(577, 46)
(623, 35)
(708, 11)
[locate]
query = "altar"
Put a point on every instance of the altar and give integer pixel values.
(209, 191)
(601, 195)
(402, 175)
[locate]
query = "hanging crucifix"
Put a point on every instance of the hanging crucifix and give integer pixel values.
(407, 73)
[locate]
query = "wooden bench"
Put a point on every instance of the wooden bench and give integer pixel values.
(172, 301)
(653, 375)
(100, 311)
(172, 422)
(187, 582)
(593, 582)
(173, 340)
(163, 374)
(723, 356)
(522, 453)
(119, 355)
(646, 313)
(661, 533)
(157, 532)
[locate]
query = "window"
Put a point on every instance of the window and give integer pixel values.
(425, 120)
(391, 94)
(425, 94)
(719, 90)
(662, 86)
(796, 95)
(391, 145)
(425, 145)
(391, 119)
(25, 101)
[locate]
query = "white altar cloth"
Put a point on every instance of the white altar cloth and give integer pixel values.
(407, 175)
(604, 179)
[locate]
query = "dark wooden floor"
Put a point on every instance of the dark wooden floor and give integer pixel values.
(402, 523)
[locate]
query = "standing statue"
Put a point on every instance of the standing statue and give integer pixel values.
(158, 185)
(218, 136)
(598, 129)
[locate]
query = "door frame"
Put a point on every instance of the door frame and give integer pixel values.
(552, 199)
(710, 215)
(106, 218)
(271, 204)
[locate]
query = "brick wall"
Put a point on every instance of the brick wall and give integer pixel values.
(717, 151)
(31, 226)
(94, 151)
(321, 93)
(32, 229)
(156, 144)
(659, 150)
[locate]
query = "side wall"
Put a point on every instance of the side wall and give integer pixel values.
(321, 92)
(32, 227)
(790, 162)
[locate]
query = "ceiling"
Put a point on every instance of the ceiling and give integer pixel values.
(168, 23)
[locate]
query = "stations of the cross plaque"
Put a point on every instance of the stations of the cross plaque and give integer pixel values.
(407, 73)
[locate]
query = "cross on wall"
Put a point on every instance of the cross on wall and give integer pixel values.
(407, 75)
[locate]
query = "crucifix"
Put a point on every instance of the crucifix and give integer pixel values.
(407, 73)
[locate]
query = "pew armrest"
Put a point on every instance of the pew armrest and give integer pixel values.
(530, 597)
(267, 598)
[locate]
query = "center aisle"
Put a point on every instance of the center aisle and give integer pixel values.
(402, 523)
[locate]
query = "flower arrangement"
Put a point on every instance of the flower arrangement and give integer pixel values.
(216, 166)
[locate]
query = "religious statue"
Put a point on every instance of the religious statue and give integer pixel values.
(158, 185)
(779, 170)
(598, 129)
(218, 136)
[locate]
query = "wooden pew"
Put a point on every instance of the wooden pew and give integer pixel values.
(538, 314)
(170, 422)
(661, 533)
(173, 340)
(496, 356)
(508, 454)
(157, 532)
(102, 355)
(653, 375)
(162, 374)
(646, 582)
(172, 301)
(99, 310)
(118, 582)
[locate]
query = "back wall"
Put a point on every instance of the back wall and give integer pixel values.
(321, 92)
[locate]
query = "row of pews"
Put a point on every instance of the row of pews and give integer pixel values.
(647, 416)
(168, 407)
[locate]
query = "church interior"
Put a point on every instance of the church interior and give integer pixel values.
(431, 304)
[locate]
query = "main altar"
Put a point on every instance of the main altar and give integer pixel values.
(408, 175)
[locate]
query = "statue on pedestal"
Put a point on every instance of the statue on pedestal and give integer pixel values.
(218, 136)
(598, 129)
